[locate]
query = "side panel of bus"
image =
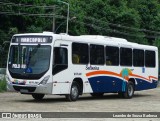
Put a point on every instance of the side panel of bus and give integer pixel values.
(147, 77)
(102, 77)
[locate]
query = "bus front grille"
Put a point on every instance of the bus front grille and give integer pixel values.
(30, 89)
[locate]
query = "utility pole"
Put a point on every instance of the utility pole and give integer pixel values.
(67, 14)
(54, 19)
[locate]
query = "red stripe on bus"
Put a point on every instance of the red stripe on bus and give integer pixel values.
(119, 75)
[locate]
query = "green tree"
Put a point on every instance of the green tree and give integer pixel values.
(149, 14)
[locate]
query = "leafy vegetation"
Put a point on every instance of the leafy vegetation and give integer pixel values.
(3, 85)
(136, 20)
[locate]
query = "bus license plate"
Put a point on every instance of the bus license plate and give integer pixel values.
(24, 90)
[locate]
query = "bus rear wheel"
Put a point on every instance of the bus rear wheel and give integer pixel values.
(38, 96)
(129, 90)
(74, 92)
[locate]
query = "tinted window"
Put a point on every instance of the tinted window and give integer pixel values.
(96, 54)
(60, 56)
(150, 58)
(60, 60)
(138, 58)
(126, 57)
(112, 55)
(80, 53)
(29, 61)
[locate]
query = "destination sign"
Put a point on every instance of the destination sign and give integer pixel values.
(32, 39)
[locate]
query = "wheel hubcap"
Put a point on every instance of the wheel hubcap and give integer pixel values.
(130, 90)
(74, 91)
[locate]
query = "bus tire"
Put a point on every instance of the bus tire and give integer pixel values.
(38, 96)
(97, 94)
(129, 90)
(74, 92)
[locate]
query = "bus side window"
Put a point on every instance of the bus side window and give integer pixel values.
(138, 58)
(96, 54)
(60, 60)
(80, 53)
(112, 55)
(125, 56)
(150, 58)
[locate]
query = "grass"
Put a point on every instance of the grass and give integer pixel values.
(3, 85)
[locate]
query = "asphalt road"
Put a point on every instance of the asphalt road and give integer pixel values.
(143, 101)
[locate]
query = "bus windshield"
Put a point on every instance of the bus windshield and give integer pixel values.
(29, 61)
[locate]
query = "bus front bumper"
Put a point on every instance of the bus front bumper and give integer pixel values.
(29, 89)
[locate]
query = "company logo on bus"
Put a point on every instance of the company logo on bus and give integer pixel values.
(32, 40)
(92, 67)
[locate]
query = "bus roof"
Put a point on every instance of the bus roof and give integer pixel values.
(95, 39)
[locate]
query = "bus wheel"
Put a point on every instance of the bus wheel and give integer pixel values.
(129, 90)
(74, 92)
(97, 94)
(38, 96)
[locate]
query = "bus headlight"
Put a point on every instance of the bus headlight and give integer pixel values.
(44, 81)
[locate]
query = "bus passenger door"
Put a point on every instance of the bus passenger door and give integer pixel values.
(60, 65)
(60, 60)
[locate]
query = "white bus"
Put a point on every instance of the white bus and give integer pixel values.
(48, 63)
